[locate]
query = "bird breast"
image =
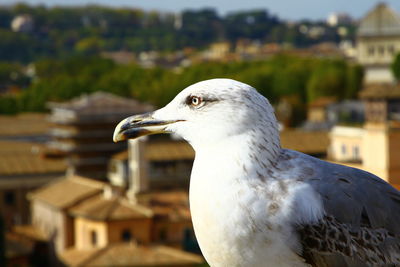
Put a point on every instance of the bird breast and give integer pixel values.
(235, 221)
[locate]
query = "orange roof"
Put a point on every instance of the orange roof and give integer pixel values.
(30, 232)
(129, 254)
(310, 142)
(173, 205)
(23, 124)
(66, 192)
(18, 158)
(166, 198)
(114, 208)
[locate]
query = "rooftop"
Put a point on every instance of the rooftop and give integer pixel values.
(31, 232)
(381, 21)
(381, 90)
(104, 208)
(128, 254)
(23, 124)
(172, 205)
(66, 192)
(22, 158)
(97, 106)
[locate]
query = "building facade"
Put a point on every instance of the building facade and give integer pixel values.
(378, 141)
(83, 128)
(378, 41)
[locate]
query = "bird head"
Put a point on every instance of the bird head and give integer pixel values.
(205, 113)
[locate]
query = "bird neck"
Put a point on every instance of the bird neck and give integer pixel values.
(257, 148)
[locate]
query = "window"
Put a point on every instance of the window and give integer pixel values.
(188, 234)
(113, 166)
(344, 149)
(371, 51)
(391, 50)
(381, 50)
(356, 152)
(93, 237)
(163, 234)
(126, 235)
(9, 198)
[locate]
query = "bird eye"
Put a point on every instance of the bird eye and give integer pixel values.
(195, 101)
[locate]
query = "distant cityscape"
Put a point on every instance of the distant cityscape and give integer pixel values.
(71, 197)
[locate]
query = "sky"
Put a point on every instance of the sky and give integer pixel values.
(285, 9)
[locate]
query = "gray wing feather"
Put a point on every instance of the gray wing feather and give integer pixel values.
(357, 197)
(358, 201)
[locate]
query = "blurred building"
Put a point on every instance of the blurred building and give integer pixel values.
(86, 219)
(347, 144)
(323, 113)
(338, 18)
(219, 51)
(382, 131)
(22, 169)
(378, 41)
(152, 164)
(131, 255)
(375, 146)
(248, 49)
(314, 143)
(83, 128)
(50, 205)
(318, 114)
(120, 57)
(22, 23)
(23, 166)
(145, 207)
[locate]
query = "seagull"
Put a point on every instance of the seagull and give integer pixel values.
(254, 203)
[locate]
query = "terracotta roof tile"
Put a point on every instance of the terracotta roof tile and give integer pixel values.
(114, 208)
(173, 205)
(75, 257)
(30, 232)
(128, 254)
(24, 124)
(66, 192)
(18, 158)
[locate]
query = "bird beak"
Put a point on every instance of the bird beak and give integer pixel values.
(139, 125)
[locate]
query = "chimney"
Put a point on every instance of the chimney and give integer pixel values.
(138, 180)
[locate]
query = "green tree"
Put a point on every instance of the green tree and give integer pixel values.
(396, 67)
